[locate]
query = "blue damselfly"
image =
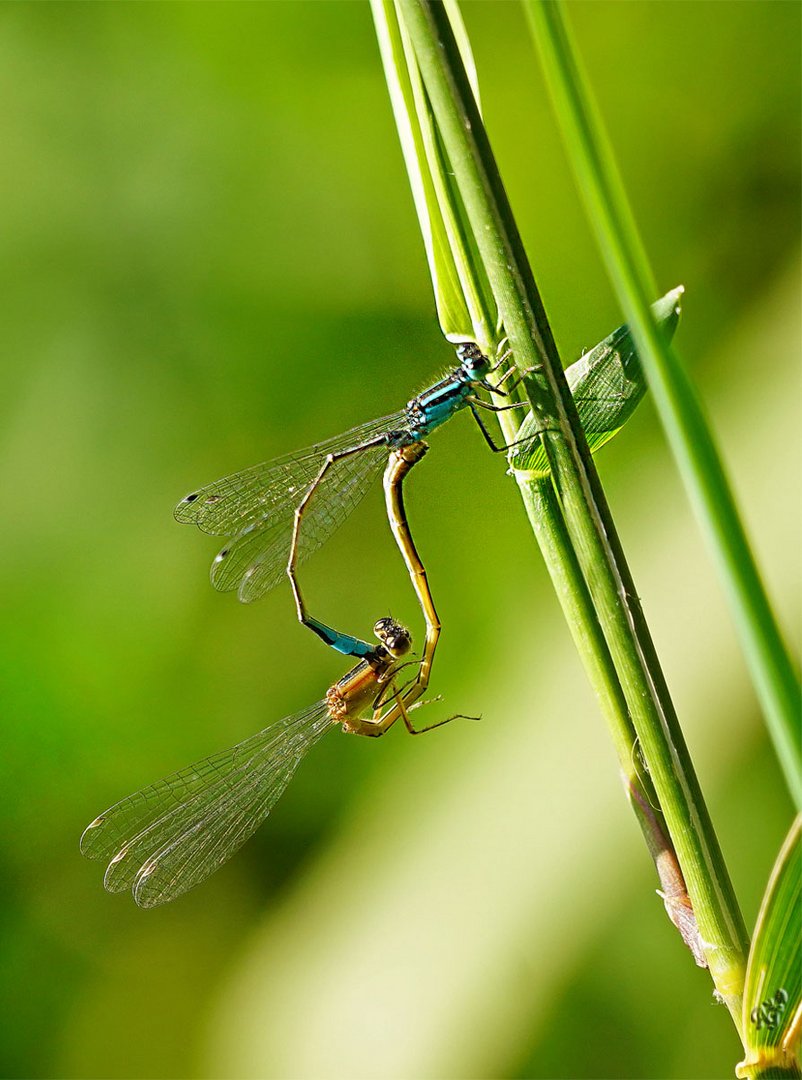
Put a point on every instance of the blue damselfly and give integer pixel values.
(278, 513)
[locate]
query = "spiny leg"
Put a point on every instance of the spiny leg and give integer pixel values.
(380, 723)
(476, 403)
(389, 689)
(438, 723)
(472, 399)
(406, 709)
(495, 388)
(502, 357)
(511, 370)
(519, 378)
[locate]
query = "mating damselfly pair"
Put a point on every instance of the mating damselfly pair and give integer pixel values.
(169, 837)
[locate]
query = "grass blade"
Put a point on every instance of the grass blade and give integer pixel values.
(773, 992)
(607, 384)
(465, 307)
(772, 670)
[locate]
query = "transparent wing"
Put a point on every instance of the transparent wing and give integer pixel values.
(230, 505)
(256, 508)
(256, 560)
(169, 837)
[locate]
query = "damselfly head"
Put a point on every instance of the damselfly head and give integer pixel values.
(472, 360)
(396, 639)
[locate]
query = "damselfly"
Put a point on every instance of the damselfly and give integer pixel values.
(169, 837)
(278, 513)
(400, 462)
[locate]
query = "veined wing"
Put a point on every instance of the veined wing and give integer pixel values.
(169, 837)
(256, 507)
(256, 559)
(230, 505)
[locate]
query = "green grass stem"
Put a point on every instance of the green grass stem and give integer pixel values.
(548, 525)
(589, 526)
(687, 430)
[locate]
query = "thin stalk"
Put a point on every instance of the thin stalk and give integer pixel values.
(589, 526)
(548, 526)
(771, 667)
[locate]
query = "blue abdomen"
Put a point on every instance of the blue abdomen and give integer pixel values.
(433, 407)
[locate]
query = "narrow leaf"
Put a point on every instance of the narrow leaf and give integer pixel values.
(464, 304)
(772, 1020)
(607, 385)
(772, 668)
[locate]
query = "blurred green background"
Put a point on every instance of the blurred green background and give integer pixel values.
(209, 258)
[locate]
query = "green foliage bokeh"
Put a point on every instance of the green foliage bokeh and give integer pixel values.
(210, 257)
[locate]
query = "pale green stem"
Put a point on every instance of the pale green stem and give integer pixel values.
(773, 674)
(586, 514)
(548, 526)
